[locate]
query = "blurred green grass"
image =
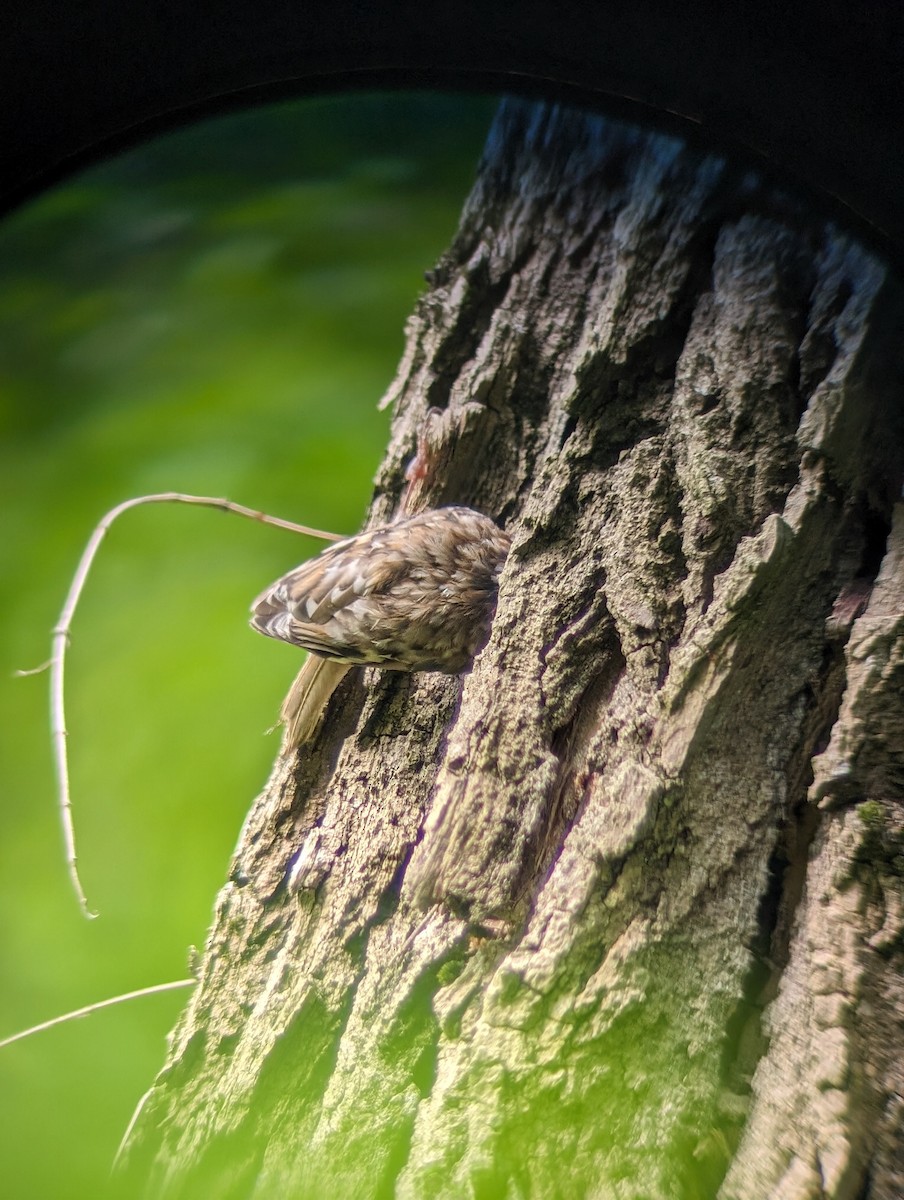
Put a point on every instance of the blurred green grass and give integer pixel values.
(217, 312)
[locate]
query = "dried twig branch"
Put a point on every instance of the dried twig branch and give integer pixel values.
(56, 664)
(156, 988)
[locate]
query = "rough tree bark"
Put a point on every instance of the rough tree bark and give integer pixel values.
(619, 914)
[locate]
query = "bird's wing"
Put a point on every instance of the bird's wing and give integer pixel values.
(306, 606)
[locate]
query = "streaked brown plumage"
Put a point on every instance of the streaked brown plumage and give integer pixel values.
(417, 595)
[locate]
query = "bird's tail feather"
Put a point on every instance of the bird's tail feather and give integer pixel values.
(303, 708)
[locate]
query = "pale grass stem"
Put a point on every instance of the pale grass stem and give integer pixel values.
(154, 990)
(57, 661)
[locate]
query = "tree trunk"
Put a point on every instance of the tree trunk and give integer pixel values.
(619, 913)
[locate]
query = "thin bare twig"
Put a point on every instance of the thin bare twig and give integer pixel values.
(60, 641)
(154, 990)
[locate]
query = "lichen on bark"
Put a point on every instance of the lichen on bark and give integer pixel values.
(557, 928)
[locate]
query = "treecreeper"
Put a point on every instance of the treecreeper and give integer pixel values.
(418, 594)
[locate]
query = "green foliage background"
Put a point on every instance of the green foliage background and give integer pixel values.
(217, 312)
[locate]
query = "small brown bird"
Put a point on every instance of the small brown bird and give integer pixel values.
(416, 595)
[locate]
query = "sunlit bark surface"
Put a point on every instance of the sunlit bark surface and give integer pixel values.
(619, 913)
